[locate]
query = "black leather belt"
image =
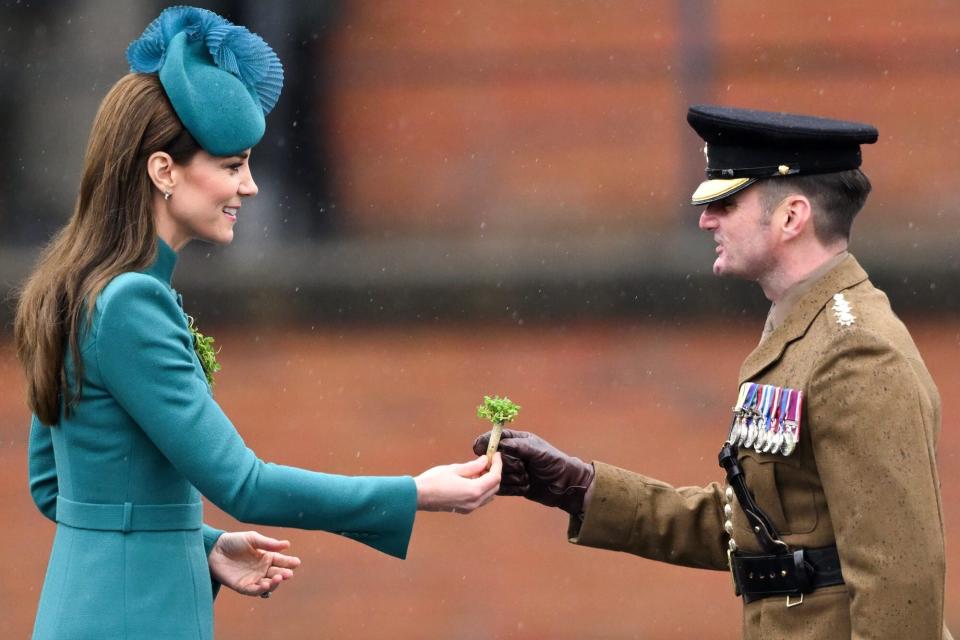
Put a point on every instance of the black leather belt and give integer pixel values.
(790, 573)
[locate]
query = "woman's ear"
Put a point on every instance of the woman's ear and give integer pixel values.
(160, 168)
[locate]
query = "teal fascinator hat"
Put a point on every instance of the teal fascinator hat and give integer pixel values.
(221, 79)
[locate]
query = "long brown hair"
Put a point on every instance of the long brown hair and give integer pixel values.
(111, 231)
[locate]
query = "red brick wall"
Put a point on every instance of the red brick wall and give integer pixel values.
(547, 115)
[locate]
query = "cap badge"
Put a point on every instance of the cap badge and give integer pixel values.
(783, 169)
(842, 310)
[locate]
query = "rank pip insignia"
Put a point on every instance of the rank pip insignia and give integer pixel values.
(841, 309)
(766, 418)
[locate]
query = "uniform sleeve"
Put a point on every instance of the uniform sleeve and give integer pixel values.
(633, 513)
(877, 465)
(146, 360)
(42, 469)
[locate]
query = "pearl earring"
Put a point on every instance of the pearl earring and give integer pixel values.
(167, 194)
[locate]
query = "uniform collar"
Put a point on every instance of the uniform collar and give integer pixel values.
(802, 313)
(779, 311)
(164, 264)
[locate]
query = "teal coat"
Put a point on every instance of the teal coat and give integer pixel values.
(123, 474)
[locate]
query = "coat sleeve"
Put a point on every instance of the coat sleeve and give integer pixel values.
(210, 537)
(870, 421)
(633, 513)
(146, 360)
(42, 469)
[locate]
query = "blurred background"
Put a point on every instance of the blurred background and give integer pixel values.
(459, 199)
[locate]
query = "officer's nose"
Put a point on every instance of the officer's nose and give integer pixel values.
(708, 218)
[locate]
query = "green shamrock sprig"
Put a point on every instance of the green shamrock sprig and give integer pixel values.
(203, 345)
(498, 410)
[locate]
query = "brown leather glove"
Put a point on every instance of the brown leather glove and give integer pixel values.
(538, 471)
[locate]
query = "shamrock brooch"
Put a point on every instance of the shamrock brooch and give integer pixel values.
(207, 355)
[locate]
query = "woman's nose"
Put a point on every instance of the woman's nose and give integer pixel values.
(247, 186)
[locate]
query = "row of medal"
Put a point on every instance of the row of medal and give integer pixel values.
(766, 418)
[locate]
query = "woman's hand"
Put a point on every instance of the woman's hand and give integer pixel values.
(251, 563)
(458, 487)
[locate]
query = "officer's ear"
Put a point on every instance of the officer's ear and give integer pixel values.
(797, 216)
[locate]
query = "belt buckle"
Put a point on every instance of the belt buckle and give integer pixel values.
(733, 576)
(796, 603)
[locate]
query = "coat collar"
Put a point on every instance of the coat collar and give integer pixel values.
(844, 275)
(164, 264)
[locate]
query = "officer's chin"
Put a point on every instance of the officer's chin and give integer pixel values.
(719, 268)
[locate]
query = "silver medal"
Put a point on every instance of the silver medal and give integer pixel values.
(764, 395)
(751, 432)
(734, 430)
(764, 441)
(738, 413)
(775, 421)
(777, 441)
(761, 436)
(769, 440)
(789, 443)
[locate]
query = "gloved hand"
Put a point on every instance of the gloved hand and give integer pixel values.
(538, 471)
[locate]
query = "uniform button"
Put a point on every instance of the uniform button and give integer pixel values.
(728, 494)
(728, 527)
(728, 511)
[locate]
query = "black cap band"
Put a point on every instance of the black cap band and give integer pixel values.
(734, 161)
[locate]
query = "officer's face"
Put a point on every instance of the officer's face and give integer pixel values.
(743, 235)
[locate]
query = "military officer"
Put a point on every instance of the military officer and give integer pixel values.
(830, 516)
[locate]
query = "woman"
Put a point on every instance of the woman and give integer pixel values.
(126, 435)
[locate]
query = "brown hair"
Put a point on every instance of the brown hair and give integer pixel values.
(836, 198)
(111, 231)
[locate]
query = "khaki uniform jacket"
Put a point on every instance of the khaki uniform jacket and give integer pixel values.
(863, 477)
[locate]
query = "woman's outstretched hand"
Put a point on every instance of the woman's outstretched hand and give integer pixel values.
(251, 563)
(460, 488)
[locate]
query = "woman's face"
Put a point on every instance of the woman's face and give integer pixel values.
(206, 199)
